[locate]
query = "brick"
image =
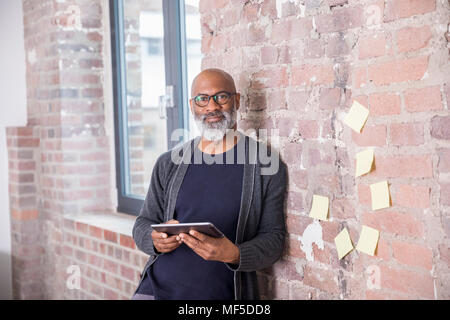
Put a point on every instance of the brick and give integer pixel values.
(406, 134)
(269, 55)
(382, 251)
(337, 46)
(313, 49)
(250, 12)
(95, 260)
(207, 6)
(444, 160)
(256, 101)
(306, 75)
(296, 224)
(412, 254)
(407, 166)
(334, 3)
(340, 20)
(293, 248)
(270, 77)
(410, 196)
(321, 279)
(110, 236)
(82, 227)
(376, 295)
(445, 194)
(330, 229)
(444, 253)
(292, 153)
(127, 273)
(297, 100)
(24, 215)
(289, 29)
(397, 9)
(299, 178)
(423, 99)
(411, 39)
(255, 35)
(393, 222)
(409, 282)
(440, 127)
(127, 241)
(276, 100)
(294, 201)
(372, 46)
(364, 195)
(329, 98)
(371, 136)
(401, 70)
(381, 104)
(110, 266)
(308, 129)
(327, 255)
(285, 126)
(110, 294)
(342, 209)
(360, 77)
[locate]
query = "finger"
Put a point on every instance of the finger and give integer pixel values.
(172, 221)
(158, 235)
(193, 243)
(172, 239)
(200, 236)
(168, 247)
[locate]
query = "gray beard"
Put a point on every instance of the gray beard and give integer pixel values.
(215, 131)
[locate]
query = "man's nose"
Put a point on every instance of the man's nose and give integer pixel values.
(212, 106)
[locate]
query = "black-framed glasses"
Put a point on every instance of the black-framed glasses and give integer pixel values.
(221, 98)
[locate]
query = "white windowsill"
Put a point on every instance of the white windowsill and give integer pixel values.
(113, 221)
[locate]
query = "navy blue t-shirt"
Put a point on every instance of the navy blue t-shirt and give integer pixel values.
(210, 192)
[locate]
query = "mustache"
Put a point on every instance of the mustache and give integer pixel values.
(216, 113)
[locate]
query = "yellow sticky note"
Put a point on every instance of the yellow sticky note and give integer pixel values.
(368, 240)
(343, 243)
(364, 161)
(319, 208)
(380, 195)
(357, 116)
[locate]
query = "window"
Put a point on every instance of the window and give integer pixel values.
(156, 52)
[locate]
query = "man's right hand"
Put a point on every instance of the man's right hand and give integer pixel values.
(163, 243)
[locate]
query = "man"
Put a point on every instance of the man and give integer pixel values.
(246, 205)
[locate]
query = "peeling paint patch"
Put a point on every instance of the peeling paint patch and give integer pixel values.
(32, 56)
(312, 234)
(279, 7)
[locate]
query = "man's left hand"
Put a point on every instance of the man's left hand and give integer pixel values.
(209, 248)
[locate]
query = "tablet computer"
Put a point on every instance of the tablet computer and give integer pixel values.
(176, 228)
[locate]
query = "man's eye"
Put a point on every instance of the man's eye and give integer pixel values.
(222, 96)
(201, 98)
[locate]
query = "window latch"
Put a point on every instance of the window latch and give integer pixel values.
(166, 101)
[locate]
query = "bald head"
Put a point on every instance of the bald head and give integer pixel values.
(211, 80)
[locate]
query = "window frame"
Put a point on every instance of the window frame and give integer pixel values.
(175, 75)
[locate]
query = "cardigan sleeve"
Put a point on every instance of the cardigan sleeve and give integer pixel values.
(152, 211)
(267, 246)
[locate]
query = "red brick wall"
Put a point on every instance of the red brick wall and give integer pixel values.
(59, 164)
(299, 65)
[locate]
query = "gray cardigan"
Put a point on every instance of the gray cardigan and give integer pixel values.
(261, 224)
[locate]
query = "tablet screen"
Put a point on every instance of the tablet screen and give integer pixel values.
(176, 228)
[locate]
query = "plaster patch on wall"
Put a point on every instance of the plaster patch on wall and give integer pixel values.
(32, 56)
(312, 234)
(279, 6)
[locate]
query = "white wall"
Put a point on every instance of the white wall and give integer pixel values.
(12, 113)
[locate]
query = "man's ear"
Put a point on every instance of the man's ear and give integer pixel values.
(190, 105)
(238, 100)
